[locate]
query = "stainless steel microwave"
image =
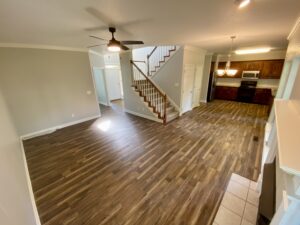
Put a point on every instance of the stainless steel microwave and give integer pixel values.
(250, 74)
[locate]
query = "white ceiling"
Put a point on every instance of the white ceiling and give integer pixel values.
(205, 23)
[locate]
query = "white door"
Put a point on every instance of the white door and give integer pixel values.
(197, 85)
(113, 83)
(100, 83)
(188, 87)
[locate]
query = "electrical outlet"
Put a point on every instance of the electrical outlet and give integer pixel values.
(88, 92)
(73, 115)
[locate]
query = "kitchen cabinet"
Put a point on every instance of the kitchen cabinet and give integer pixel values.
(253, 65)
(263, 96)
(226, 93)
(234, 65)
(271, 69)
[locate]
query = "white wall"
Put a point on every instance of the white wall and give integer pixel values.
(96, 59)
(46, 88)
(100, 83)
(140, 54)
(132, 102)
(288, 89)
(205, 80)
(169, 77)
(296, 88)
(196, 57)
(15, 203)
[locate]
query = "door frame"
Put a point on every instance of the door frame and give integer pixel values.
(182, 87)
(120, 80)
(105, 85)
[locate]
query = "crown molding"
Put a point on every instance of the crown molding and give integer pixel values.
(294, 29)
(35, 46)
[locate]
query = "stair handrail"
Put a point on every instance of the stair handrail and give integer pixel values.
(148, 60)
(163, 95)
(159, 53)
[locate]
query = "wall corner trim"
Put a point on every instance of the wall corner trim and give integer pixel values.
(29, 185)
(53, 129)
(291, 34)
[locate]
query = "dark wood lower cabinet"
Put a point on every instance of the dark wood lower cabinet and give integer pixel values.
(262, 96)
(226, 93)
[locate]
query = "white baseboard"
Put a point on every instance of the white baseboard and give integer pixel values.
(144, 116)
(29, 185)
(53, 129)
(203, 101)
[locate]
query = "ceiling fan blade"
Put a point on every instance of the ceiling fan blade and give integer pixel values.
(132, 42)
(95, 46)
(123, 47)
(98, 38)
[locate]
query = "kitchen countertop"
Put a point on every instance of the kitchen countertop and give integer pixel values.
(261, 83)
(236, 82)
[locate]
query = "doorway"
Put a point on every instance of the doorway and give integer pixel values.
(100, 85)
(188, 88)
(108, 84)
(114, 83)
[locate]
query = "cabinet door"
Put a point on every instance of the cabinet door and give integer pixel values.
(253, 65)
(239, 66)
(226, 93)
(262, 96)
(272, 69)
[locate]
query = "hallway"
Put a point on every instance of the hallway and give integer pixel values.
(122, 169)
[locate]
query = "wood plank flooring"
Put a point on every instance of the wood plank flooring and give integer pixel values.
(122, 169)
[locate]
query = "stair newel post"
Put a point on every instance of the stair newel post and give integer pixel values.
(165, 109)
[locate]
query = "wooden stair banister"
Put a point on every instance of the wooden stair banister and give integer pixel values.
(150, 92)
(157, 57)
(148, 61)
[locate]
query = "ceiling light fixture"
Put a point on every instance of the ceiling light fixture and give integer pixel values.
(242, 3)
(113, 48)
(227, 70)
(252, 51)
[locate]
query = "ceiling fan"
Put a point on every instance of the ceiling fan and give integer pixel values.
(114, 45)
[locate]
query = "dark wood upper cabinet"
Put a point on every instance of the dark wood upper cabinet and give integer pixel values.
(272, 69)
(269, 69)
(253, 65)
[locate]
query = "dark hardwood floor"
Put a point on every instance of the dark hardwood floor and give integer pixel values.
(122, 169)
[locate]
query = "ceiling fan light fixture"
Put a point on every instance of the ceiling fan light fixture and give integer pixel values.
(114, 48)
(114, 45)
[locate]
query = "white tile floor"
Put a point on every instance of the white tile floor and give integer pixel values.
(240, 203)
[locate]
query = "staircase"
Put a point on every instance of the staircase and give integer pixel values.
(158, 57)
(155, 99)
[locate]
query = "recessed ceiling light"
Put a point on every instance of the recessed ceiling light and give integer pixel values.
(252, 51)
(242, 3)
